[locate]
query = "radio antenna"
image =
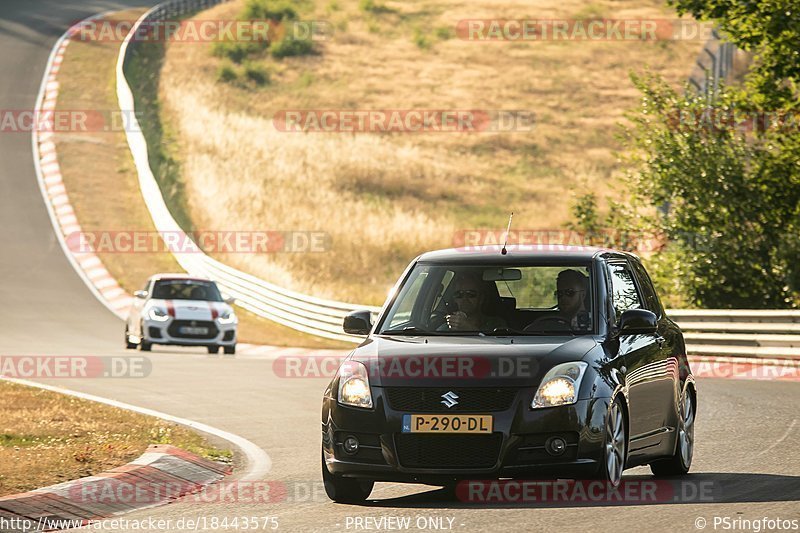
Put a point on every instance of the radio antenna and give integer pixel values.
(504, 251)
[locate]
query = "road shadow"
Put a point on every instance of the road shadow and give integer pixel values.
(712, 488)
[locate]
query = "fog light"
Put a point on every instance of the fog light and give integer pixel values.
(555, 445)
(350, 445)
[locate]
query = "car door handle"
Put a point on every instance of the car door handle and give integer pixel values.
(660, 340)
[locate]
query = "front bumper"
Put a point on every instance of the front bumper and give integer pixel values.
(169, 332)
(515, 449)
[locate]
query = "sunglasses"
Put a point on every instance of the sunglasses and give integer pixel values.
(465, 294)
(569, 293)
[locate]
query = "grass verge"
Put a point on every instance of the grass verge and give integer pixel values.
(101, 179)
(48, 438)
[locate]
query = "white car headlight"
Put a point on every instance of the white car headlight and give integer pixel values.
(560, 385)
(226, 317)
(354, 385)
(156, 313)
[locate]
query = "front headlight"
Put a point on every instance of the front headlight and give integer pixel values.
(156, 313)
(560, 385)
(226, 317)
(354, 385)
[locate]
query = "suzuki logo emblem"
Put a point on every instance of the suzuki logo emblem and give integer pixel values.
(450, 399)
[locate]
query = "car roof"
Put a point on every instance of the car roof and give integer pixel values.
(187, 277)
(545, 253)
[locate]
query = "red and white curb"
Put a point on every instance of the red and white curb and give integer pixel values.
(87, 264)
(161, 475)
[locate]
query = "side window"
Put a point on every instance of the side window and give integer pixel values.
(411, 290)
(648, 291)
(623, 289)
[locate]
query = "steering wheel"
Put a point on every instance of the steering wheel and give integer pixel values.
(437, 319)
(540, 323)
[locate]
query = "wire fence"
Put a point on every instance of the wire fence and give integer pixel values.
(714, 64)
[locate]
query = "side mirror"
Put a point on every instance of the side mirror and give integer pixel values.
(638, 322)
(358, 323)
(228, 299)
(140, 294)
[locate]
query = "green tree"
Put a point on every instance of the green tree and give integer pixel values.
(727, 193)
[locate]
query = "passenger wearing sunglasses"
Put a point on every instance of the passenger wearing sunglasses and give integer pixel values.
(469, 296)
(571, 289)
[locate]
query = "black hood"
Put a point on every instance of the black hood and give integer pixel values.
(474, 361)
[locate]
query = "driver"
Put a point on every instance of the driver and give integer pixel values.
(469, 294)
(571, 287)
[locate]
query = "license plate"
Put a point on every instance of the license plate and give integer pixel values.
(188, 330)
(447, 423)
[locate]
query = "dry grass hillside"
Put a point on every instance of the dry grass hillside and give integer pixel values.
(383, 198)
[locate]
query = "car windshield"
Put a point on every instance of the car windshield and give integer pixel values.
(186, 289)
(437, 299)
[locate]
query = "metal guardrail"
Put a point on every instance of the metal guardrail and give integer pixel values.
(740, 332)
(708, 332)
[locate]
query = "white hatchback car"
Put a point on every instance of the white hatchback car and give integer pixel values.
(181, 310)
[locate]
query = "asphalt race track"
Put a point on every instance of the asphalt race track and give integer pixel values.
(747, 459)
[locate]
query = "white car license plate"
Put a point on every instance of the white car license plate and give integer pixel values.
(189, 330)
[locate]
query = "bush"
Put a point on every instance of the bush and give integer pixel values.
(226, 73)
(370, 6)
(421, 40)
(237, 51)
(290, 46)
(277, 10)
(256, 73)
(444, 33)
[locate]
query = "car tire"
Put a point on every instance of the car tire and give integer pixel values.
(128, 344)
(229, 350)
(343, 489)
(145, 346)
(681, 461)
(615, 444)
(213, 348)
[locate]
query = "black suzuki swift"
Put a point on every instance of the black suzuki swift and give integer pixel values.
(521, 363)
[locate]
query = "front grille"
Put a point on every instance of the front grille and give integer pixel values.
(174, 329)
(469, 399)
(448, 451)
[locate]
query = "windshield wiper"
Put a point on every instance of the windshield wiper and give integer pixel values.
(408, 330)
(503, 331)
